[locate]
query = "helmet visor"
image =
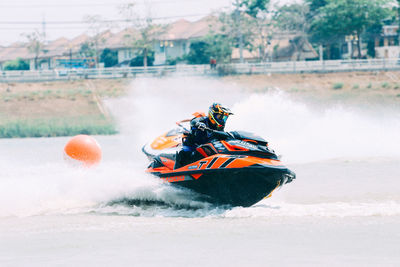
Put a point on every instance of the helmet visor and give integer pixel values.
(221, 118)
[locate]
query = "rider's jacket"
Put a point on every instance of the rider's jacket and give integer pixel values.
(196, 136)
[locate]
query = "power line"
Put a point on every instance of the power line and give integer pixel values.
(101, 21)
(91, 5)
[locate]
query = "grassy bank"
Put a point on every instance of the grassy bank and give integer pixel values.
(379, 87)
(76, 107)
(56, 127)
(57, 108)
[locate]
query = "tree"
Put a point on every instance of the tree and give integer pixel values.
(109, 58)
(138, 61)
(143, 43)
(213, 45)
(254, 7)
(293, 18)
(218, 47)
(198, 53)
(340, 18)
(247, 26)
(86, 50)
(35, 45)
(96, 26)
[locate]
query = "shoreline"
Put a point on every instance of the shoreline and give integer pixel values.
(61, 108)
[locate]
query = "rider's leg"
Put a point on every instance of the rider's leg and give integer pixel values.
(183, 156)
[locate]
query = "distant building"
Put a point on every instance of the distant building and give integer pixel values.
(170, 42)
(175, 40)
(281, 47)
(387, 45)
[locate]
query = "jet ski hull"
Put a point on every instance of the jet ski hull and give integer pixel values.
(236, 169)
(234, 187)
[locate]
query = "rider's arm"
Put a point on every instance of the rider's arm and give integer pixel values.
(190, 137)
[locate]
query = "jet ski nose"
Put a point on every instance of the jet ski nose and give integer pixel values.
(289, 177)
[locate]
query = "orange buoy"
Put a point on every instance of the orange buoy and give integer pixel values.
(83, 148)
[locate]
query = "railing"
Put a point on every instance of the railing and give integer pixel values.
(196, 70)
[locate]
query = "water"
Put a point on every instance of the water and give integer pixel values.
(343, 209)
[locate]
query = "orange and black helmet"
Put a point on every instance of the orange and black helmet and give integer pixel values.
(218, 115)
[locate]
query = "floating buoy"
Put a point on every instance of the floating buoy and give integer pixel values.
(83, 149)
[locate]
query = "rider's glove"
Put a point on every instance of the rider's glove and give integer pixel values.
(201, 126)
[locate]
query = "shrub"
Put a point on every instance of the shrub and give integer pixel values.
(337, 86)
(17, 64)
(385, 85)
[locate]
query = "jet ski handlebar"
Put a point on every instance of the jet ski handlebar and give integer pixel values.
(221, 134)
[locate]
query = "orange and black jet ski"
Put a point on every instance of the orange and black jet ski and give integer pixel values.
(239, 169)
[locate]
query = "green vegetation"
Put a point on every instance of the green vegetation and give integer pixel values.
(337, 86)
(17, 64)
(57, 127)
(332, 23)
(30, 110)
(356, 86)
(385, 85)
(71, 94)
(109, 58)
(139, 60)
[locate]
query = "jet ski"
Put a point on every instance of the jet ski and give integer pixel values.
(238, 169)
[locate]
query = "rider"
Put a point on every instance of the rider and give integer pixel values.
(200, 132)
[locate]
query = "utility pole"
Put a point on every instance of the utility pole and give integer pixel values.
(398, 18)
(44, 29)
(239, 30)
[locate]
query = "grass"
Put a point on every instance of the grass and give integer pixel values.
(57, 127)
(51, 94)
(385, 85)
(337, 86)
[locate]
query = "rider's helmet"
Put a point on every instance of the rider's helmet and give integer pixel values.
(217, 114)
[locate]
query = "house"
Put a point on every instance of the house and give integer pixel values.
(122, 42)
(169, 42)
(387, 45)
(175, 40)
(281, 47)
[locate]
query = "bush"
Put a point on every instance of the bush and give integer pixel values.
(198, 53)
(17, 64)
(138, 60)
(337, 86)
(109, 57)
(385, 85)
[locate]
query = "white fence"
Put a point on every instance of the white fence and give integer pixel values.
(193, 70)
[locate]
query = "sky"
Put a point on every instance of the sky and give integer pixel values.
(19, 17)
